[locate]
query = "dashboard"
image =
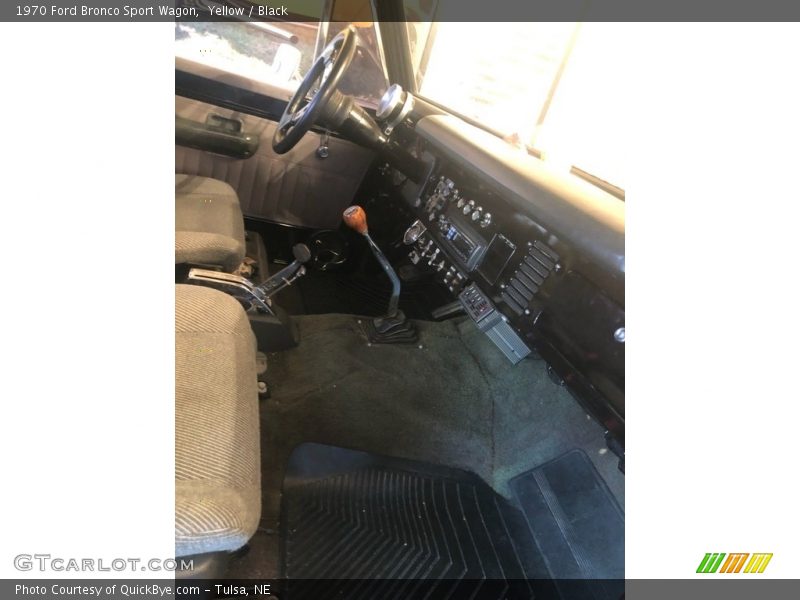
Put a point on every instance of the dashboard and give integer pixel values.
(534, 258)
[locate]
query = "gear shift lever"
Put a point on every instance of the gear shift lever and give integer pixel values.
(393, 328)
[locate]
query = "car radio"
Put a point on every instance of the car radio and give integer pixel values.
(448, 216)
(460, 239)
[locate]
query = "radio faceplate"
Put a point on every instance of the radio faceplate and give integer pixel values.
(460, 239)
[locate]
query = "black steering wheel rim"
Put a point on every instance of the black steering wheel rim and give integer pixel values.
(330, 65)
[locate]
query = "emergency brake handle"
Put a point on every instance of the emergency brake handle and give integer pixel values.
(289, 273)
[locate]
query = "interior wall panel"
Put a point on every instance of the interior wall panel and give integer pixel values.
(296, 188)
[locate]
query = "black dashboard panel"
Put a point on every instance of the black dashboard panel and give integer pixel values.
(591, 219)
(495, 259)
(546, 252)
(474, 235)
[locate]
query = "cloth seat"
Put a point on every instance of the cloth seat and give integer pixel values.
(209, 225)
(217, 444)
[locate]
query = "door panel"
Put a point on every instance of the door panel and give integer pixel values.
(296, 188)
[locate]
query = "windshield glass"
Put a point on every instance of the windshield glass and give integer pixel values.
(280, 53)
(552, 87)
(275, 54)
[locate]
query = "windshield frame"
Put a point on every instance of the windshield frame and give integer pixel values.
(416, 81)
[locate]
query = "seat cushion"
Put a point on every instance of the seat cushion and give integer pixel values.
(217, 446)
(209, 226)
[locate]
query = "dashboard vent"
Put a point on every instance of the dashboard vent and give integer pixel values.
(523, 285)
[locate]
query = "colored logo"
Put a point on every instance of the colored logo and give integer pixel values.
(734, 563)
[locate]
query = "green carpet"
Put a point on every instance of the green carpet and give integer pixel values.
(452, 400)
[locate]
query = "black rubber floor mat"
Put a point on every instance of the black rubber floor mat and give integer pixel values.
(575, 520)
(356, 525)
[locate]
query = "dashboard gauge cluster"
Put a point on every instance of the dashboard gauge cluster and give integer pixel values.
(446, 193)
(458, 236)
(454, 242)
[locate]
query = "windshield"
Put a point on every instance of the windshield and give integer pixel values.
(280, 53)
(551, 87)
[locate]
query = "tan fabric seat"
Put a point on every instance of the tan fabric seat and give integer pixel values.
(209, 226)
(217, 446)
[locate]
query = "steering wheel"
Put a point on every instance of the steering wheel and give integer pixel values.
(315, 90)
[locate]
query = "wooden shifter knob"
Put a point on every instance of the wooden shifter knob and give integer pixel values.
(355, 218)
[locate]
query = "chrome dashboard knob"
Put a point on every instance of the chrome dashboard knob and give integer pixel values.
(413, 233)
(486, 220)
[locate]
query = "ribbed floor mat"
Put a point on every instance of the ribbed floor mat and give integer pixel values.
(360, 526)
(577, 524)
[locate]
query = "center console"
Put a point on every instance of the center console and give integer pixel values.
(458, 238)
